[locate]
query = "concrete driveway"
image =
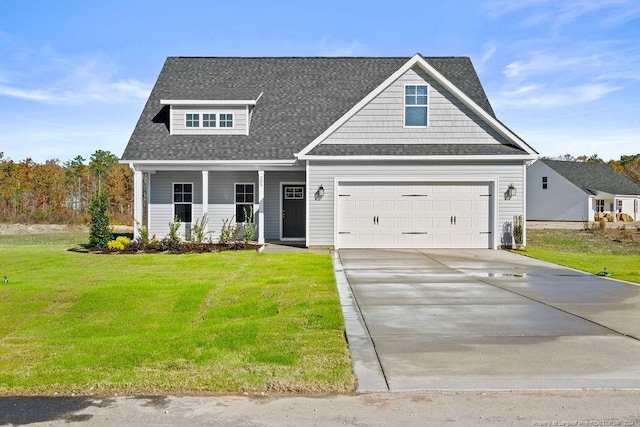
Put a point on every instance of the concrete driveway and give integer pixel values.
(483, 319)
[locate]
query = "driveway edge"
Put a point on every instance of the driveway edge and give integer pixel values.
(364, 359)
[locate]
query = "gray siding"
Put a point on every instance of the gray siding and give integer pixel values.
(321, 212)
(382, 119)
(272, 198)
(178, 120)
(221, 198)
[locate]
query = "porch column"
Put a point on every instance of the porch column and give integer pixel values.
(261, 207)
(205, 198)
(137, 201)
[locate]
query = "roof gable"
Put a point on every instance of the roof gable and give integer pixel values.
(593, 177)
(470, 93)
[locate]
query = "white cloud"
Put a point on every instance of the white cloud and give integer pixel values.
(55, 79)
(543, 63)
(558, 14)
(544, 97)
(340, 48)
(490, 50)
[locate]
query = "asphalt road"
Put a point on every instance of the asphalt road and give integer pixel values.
(579, 408)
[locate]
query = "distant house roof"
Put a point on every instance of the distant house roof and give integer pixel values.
(301, 98)
(594, 177)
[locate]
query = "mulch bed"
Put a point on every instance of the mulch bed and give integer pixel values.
(182, 248)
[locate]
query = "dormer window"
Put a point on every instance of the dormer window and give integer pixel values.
(192, 120)
(208, 120)
(226, 120)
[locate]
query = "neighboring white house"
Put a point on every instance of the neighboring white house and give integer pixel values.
(332, 152)
(576, 191)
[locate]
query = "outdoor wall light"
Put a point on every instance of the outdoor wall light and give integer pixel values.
(511, 191)
(321, 191)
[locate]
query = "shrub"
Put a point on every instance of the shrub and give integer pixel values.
(174, 226)
(119, 244)
(518, 230)
(248, 227)
(229, 231)
(143, 233)
(99, 229)
(199, 229)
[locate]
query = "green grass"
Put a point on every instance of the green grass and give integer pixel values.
(586, 251)
(159, 323)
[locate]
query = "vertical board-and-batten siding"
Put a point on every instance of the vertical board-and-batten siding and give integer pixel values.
(321, 212)
(179, 127)
(221, 198)
(381, 121)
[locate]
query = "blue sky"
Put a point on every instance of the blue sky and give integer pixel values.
(74, 74)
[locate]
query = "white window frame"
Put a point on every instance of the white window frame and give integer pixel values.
(233, 122)
(187, 120)
(405, 105)
(599, 205)
(236, 203)
(215, 120)
(173, 195)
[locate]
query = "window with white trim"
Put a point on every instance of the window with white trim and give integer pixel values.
(416, 104)
(544, 183)
(183, 201)
(226, 120)
(599, 205)
(294, 193)
(208, 120)
(192, 120)
(244, 202)
(619, 206)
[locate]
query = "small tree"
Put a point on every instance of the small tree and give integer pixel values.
(99, 229)
(518, 230)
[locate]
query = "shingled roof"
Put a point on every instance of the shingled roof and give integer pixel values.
(594, 177)
(301, 98)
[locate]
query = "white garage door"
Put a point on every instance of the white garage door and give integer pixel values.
(414, 215)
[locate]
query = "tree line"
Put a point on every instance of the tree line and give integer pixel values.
(60, 193)
(628, 166)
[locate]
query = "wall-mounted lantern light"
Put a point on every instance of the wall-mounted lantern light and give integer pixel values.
(321, 191)
(511, 191)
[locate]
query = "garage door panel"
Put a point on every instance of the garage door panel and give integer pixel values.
(414, 215)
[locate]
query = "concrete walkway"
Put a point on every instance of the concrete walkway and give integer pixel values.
(485, 320)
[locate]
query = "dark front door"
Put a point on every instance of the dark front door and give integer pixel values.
(293, 211)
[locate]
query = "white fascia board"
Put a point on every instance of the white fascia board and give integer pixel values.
(211, 162)
(522, 157)
(420, 61)
(495, 124)
(208, 102)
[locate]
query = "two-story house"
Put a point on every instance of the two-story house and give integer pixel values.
(332, 152)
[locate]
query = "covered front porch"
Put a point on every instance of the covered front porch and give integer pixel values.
(273, 198)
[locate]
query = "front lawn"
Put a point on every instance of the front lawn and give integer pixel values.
(159, 323)
(587, 251)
